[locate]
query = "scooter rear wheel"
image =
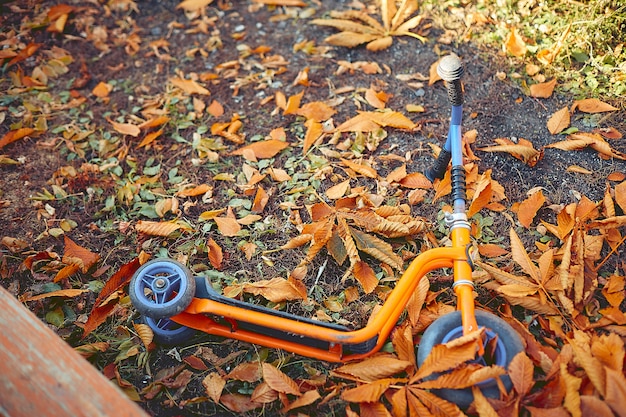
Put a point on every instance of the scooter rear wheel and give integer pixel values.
(167, 332)
(448, 327)
(162, 288)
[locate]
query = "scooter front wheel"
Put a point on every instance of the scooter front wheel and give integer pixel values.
(449, 327)
(162, 288)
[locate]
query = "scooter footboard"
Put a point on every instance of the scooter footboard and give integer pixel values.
(242, 329)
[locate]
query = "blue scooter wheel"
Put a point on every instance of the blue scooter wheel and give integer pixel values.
(448, 327)
(162, 288)
(167, 332)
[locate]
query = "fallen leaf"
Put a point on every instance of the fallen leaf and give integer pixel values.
(77, 255)
(227, 226)
(279, 381)
(189, 86)
(215, 254)
(13, 135)
(263, 149)
(338, 190)
(126, 128)
(70, 292)
(163, 229)
(592, 105)
(515, 45)
(528, 208)
(193, 5)
(543, 90)
(559, 121)
(102, 89)
(214, 385)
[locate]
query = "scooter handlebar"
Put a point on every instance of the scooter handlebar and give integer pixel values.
(450, 69)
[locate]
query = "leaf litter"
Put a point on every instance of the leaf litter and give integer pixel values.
(177, 167)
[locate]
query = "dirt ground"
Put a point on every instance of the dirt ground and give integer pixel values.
(494, 107)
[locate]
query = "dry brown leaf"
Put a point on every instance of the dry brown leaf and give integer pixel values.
(158, 228)
(215, 254)
(77, 255)
(483, 407)
(263, 149)
(261, 198)
(366, 276)
(189, 87)
(314, 131)
(276, 289)
(559, 121)
(592, 105)
(13, 135)
(523, 150)
(305, 399)
(214, 385)
(521, 371)
(227, 226)
(367, 393)
(288, 3)
(543, 90)
(193, 5)
(362, 169)
(70, 292)
(416, 180)
(145, 333)
(528, 208)
(338, 190)
(126, 128)
(279, 381)
(317, 111)
(372, 368)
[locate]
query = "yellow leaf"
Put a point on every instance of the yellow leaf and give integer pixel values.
(515, 45)
(379, 44)
(543, 90)
(572, 394)
(279, 381)
(559, 121)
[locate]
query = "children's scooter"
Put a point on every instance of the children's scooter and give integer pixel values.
(175, 304)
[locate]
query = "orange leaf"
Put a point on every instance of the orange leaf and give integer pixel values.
(70, 292)
(616, 391)
(216, 255)
(227, 226)
(592, 105)
(193, 5)
(366, 276)
(157, 121)
(126, 128)
(97, 316)
(416, 180)
(118, 280)
(491, 250)
(338, 190)
(278, 381)
(158, 228)
(515, 45)
(293, 103)
(215, 109)
(149, 138)
(194, 191)
(214, 384)
(362, 169)
(276, 289)
(543, 90)
(102, 89)
(372, 369)
(314, 131)
(367, 393)
(316, 110)
(521, 370)
(77, 255)
(260, 200)
(263, 149)
(559, 121)
(14, 135)
(529, 207)
(288, 3)
(307, 398)
(189, 86)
